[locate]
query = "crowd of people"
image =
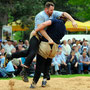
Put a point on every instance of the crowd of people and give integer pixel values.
(73, 56)
(13, 67)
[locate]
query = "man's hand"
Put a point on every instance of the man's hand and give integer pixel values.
(34, 33)
(74, 24)
(51, 41)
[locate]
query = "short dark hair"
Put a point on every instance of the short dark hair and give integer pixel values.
(48, 4)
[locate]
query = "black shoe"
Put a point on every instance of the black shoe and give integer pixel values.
(24, 76)
(48, 76)
(33, 85)
(44, 83)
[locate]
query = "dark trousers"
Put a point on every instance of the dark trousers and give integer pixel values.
(30, 53)
(42, 65)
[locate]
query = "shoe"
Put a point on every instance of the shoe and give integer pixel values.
(56, 73)
(44, 83)
(48, 76)
(6, 76)
(24, 76)
(33, 85)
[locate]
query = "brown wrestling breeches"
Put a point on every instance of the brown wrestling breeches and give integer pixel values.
(45, 50)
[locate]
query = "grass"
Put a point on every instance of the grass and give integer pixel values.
(53, 76)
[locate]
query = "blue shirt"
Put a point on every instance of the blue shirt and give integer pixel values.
(9, 67)
(84, 59)
(2, 61)
(23, 60)
(56, 31)
(42, 17)
(62, 57)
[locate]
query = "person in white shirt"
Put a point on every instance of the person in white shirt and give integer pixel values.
(8, 47)
(66, 48)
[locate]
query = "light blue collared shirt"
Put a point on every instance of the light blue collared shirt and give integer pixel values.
(42, 17)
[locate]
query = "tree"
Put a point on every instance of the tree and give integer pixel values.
(83, 7)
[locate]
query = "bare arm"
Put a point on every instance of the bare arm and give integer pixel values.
(43, 32)
(43, 25)
(68, 16)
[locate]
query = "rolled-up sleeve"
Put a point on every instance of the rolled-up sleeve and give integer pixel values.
(57, 13)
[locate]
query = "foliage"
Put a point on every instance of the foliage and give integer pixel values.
(83, 7)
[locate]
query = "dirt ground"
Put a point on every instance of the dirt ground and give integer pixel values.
(76, 83)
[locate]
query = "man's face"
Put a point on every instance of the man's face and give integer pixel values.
(84, 55)
(50, 10)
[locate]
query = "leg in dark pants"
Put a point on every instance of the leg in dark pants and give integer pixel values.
(47, 68)
(33, 49)
(39, 67)
(30, 53)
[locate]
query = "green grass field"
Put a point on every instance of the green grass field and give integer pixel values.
(53, 76)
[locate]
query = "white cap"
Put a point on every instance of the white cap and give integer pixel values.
(4, 40)
(74, 45)
(84, 47)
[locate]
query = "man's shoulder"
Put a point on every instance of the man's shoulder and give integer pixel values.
(40, 14)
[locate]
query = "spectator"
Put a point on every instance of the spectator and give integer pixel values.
(4, 42)
(70, 42)
(8, 47)
(56, 63)
(77, 53)
(26, 44)
(9, 69)
(85, 62)
(84, 45)
(2, 59)
(1, 44)
(66, 48)
(3, 51)
(79, 48)
(72, 63)
(63, 65)
(74, 46)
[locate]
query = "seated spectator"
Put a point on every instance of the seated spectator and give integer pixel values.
(80, 48)
(9, 69)
(77, 53)
(66, 48)
(63, 65)
(74, 46)
(56, 62)
(18, 63)
(84, 45)
(3, 51)
(8, 47)
(26, 44)
(72, 63)
(1, 46)
(85, 62)
(2, 59)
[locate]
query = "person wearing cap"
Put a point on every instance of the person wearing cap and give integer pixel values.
(59, 61)
(4, 42)
(74, 46)
(84, 45)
